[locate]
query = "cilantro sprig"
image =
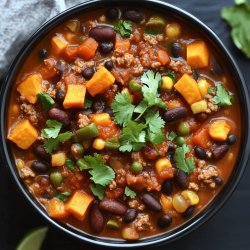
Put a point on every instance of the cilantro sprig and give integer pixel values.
(129, 192)
(123, 27)
(101, 174)
(183, 162)
(222, 97)
(52, 136)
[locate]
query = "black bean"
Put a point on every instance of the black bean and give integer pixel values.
(188, 212)
(171, 147)
(102, 33)
(109, 111)
(112, 13)
(62, 66)
(60, 95)
(43, 54)
(133, 15)
(88, 73)
(167, 187)
(108, 65)
(176, 50)
(59, 115)
(231, 140)
(218, 180)
(200, 152)
(106, 47)
(216, 68)
(40, 151)
(201, 117)
(47, 196)
(87, 112)
(164, 221)
(130, 215)
(181, 179)
(175, 114)
(219, 152)
(151, 202)
(39, 167)
(98, 106)
(113, 207)
(96, 219)
(195, 74)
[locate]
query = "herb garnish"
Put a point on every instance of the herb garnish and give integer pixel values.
(123, 27)
(130, 193)
(46, 101)
(222, 97)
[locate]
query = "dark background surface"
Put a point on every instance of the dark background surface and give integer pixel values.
(229, 229)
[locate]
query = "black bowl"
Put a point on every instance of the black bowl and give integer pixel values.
(213, 206)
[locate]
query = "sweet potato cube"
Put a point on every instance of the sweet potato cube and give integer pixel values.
(30, 87)
(163, 57)
(78, 205)
(23, 134)
(58, 44)
(198, 54)
(58, 159)
(188, 88)
(201, 138)
(56, 209)
(88, 48)
(75, 96)
(100, 81)
(122, 46)
(102, 119)
(219, 130)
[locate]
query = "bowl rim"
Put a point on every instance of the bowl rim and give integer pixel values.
(198, 219)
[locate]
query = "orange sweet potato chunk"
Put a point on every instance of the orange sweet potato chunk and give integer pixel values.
(163, 57)
(58, 44)
(75, 96)
(88, 48)
(30, 87)
(198, 54)
(188, 88)
(56, 209)
(102, 119)
(100, 81)
(23, 134)
(78, 205)
(201, 138)
(219, 130)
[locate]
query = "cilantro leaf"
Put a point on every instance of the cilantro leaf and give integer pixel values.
(53, 130)
(185, 164)
(238, 17)
(171, 74)
(63, 196)
(122, 108)
(172, 135)
(53, 143)
(222, 97)
(211, 90)
(130, 193)
(97, 190)
(87, 103)
(123, 27)
(133, 137)
(46, 101)
(69, 164)
(100, 173)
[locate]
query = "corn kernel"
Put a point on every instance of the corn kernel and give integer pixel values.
(58, 159)
(166, 202)
(19, 163)
(203, 86)
(191, 196)
(161, 164)
(199, 107)
(173, 30)
(166, 83)
(99, 144)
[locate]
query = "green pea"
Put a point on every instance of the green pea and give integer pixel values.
(56, 178)
(183, 128)
(77, 150)
(136, 167)
(180, 140)
(134, 86)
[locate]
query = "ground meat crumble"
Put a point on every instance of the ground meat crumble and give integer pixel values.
(29, 111)
(143, 223)
(180, 67)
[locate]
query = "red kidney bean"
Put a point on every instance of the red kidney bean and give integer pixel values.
(39, 167)
(130, 215)
(102, 33)
(219, 151)
(96, 219)
(39, 150)
(113, 206)
(151, 202)
(133, 15)
(175, 114)
(181, 179)
(59, 115)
